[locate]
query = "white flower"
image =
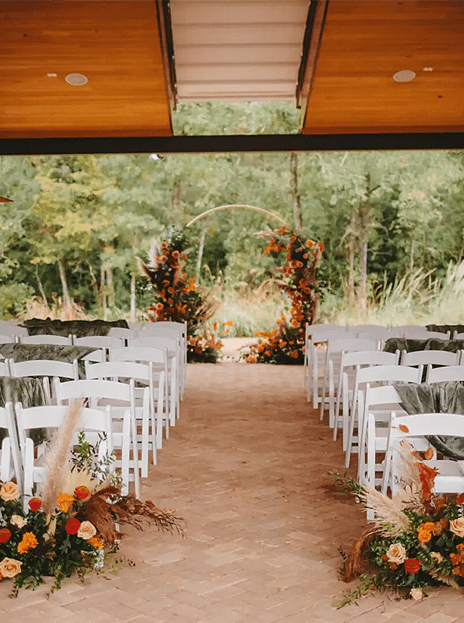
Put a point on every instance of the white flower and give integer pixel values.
(86, 530)
(18, 521)
(396, 553)
(416, 594)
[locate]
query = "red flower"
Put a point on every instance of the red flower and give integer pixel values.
(72, 525)
(81, 492)
(5, 535)
(411, 565)
(460, 499)
(35, 504)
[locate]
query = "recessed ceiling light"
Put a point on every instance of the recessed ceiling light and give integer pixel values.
(77, 80)
(428, 69)
(404, 76)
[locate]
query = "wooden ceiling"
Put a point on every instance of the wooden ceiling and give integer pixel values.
(364, 43)
(115, 44)
(335, 58)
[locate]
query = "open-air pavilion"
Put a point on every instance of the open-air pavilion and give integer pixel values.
(247, 465)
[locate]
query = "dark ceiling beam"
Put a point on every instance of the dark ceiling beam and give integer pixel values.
(311, 43)
(227, 144)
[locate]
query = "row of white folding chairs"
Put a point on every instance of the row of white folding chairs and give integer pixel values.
(319, 356)
(169, 335)
(343, 385)
(371, 407)
(22, 461)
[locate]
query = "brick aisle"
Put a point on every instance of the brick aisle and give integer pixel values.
(246, 466)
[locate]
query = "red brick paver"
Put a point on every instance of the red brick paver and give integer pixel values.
(247, 467)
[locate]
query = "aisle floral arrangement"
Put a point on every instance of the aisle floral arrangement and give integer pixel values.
(415, 542)
(285, 343)
(178, 298)
(74, 523)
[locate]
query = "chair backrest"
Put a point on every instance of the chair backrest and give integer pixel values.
(418, 426)
(8, 328)
(46, 339)
(456, 336)
(45, 367)
(388, 374)
(122, 333)
(369, 358)
(140, 353)
(93, 422)
(10, 459)
(417, 332)
(433, 357)
(99, 341)
(350, 344)
(172, 342)
(94, 391)
(444, 374)
(7, 339)
(372, 332)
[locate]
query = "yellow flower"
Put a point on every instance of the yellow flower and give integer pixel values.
(28, 542)
(64, 501)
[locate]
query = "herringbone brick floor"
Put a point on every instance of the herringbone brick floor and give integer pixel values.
(247, 467)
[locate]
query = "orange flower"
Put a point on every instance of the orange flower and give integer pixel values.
(96, 542)
(294, 354)
(64, 501)
(82, 492)
(28, 542)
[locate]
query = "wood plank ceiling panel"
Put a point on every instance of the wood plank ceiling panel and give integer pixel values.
(365, 43)
(115, 44)
(237, 49)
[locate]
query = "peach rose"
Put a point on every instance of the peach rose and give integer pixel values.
(9, 567)
(86, 530)
(18, 521)
(436, 556)
(9, 491)
(396, 553)
(416, 594)
(457, 526)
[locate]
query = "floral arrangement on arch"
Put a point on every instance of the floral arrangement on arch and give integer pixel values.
(285, 343)
(73, 524)
(178, 298)
(416, 540)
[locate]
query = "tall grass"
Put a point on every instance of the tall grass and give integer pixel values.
(417, 298)
(250, 310)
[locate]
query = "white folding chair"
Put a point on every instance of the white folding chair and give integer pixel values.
(417, 332)
(120, 397)
(10, 457)
(170, 329)
(430, 357)
(51, 418)
(104, 342)
(445, 374)
(47, 369)
(141, 374)
(123, 334)
(349, 364)
(414, 428)
(316, 338)
(371, 377)
(333, 354)
(60, 340)
(161, 363)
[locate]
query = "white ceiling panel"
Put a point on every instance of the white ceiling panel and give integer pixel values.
(237, 49)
